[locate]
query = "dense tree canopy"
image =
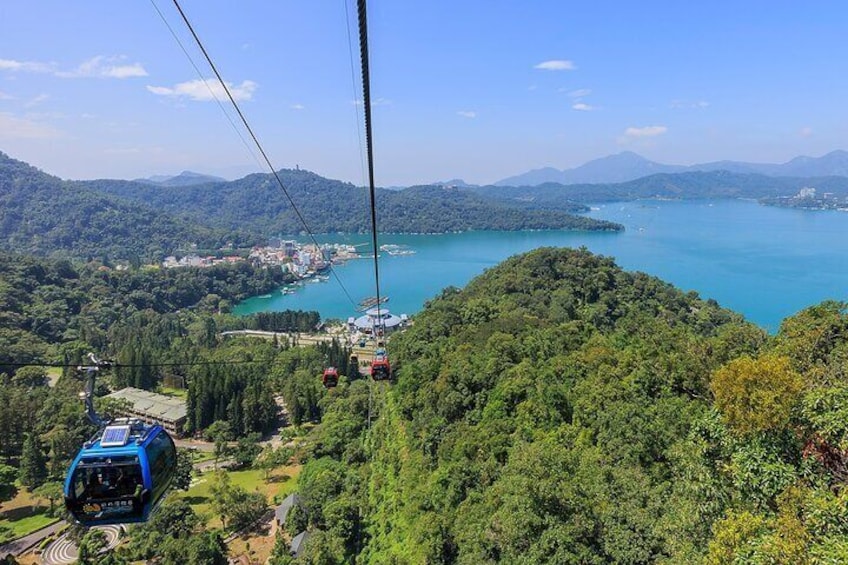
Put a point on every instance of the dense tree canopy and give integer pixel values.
(560, 410)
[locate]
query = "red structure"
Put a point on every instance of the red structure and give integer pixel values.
(331, 377)
(380, 368)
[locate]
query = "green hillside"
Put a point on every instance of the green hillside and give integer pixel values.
(41, 214)
(331, 206)
(561, 410)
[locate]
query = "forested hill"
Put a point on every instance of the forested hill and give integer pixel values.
(334, 206)
(561, 410)
(688, 185)
(41, 214)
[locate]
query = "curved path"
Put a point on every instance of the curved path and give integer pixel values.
(63, 551)
(22, 545)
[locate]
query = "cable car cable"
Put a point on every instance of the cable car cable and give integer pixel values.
(258, 145)
(353, 90)
(137, 365)
(369, 145)
(206, 83)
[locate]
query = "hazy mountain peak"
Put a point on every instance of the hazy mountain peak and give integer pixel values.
(627, 165)
(619, 167)
(185, 178)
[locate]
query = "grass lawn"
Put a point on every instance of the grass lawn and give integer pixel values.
(176, 392)
(281, 482)
(53, 374)
(198, 456)
(34, 520)
(24, 515)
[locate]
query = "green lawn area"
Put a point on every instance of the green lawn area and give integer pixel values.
(25, 520)
(198, 456)
(281, 482)
(176, 392)
(53, 374)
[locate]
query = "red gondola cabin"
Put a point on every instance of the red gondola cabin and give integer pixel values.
(380, 368)
(331, 377)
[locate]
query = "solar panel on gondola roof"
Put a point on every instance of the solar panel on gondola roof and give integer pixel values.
(115, 436)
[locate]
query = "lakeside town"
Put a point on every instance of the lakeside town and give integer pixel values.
(299, 259)
(808, 198)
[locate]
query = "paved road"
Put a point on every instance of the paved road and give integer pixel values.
(20, 545)
(63, 551)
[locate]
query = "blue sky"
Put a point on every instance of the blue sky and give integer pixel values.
(478, 90)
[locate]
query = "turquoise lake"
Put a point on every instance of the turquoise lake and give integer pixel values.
(764, 262)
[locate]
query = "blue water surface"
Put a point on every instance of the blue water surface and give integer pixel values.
(764, 262)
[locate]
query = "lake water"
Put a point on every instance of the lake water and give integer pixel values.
(764, 262)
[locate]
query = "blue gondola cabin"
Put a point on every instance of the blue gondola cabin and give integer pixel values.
(122, 475)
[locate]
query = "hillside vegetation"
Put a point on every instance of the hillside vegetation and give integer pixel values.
(141, 221)
(41, 215)
(561, 410)
(331, 206)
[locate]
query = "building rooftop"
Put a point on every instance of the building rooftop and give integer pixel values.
(298, 542)
(282, 511)
(370, 319)
(156, 406)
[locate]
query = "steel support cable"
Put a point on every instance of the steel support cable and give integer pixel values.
(206, 83)
(137, 365)
(366, 104)
(258, 145)
(369, 145)
(353, 90)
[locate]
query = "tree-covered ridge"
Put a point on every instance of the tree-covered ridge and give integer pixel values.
(331, 206)
(45, 304)
(561, 410)
(41, 214)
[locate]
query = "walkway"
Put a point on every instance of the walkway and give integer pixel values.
(63, 551)
(21, 545)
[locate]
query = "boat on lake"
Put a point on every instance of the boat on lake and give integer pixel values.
(371, 302)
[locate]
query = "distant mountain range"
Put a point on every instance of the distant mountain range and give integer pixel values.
(627, 166)
(678, 186)
(185, 178)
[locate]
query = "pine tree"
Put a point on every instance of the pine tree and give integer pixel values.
(33, 470)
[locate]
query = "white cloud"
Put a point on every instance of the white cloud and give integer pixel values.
(647, 131)
(37, 100)
(154, 150)
(206, 90)
(18, 128)
(580, 93)
(4, 96)
(689, 104)
(100, 66)
(556, 65)
(298, 107)
(374, 102)
(467, 114)
(582, 107)
(806, 132)
(104, 67)
(26, 66)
